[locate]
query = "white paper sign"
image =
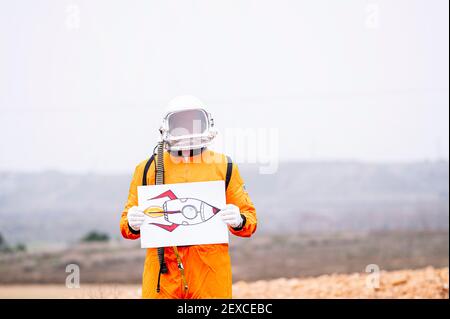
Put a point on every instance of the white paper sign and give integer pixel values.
(182, 214)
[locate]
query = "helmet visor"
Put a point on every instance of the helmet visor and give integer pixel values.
(188, 122)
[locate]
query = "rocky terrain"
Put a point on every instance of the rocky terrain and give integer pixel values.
(422, 283)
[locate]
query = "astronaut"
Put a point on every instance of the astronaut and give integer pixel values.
(187, 129)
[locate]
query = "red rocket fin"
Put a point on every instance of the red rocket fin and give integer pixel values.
(169, 228)
(168, 193)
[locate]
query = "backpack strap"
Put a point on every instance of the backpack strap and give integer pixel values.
(147, 166)
(229, 171)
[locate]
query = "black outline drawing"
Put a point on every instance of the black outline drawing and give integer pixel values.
(181, 216)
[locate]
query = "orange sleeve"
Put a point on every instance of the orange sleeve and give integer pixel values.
(237, 195)
(125, 229)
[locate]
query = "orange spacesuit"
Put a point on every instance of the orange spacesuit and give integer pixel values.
(207, 267)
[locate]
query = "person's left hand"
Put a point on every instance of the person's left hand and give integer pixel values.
(231, 215)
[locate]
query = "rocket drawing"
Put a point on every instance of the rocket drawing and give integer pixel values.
(168, 211)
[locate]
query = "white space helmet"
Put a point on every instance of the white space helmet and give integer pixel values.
(187, 125)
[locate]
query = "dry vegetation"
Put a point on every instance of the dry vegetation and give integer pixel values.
(423, 283)
(263, 257)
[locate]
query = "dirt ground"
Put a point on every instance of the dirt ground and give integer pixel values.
(422, 283)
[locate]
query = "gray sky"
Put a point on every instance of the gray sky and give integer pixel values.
(83, 83)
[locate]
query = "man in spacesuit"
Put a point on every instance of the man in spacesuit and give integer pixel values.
(187, 129)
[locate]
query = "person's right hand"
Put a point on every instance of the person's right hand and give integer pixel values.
(136, 217)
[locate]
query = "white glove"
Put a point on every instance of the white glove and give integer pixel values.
(231, 215)
(136, 217)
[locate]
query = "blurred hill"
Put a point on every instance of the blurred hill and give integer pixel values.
(301, 197)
